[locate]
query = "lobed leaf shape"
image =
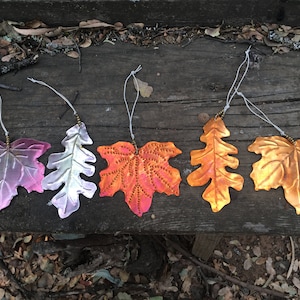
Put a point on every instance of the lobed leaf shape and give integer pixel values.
(213, 160)
(278, 166)
(140, 174)
(69, 165)
(19, 167)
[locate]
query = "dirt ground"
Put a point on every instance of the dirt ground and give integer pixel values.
(249, 267)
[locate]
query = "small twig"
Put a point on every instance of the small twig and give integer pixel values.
(292, 258)
(189, 41)
(79, 58)
(10, 88)
(15, 66)
(269, 280)
(225, 276)
(67, 108)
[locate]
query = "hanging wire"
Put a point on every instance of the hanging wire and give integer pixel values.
(130, 113)
(235, 87)
(2, 124)
(260, 114)
(59, 94)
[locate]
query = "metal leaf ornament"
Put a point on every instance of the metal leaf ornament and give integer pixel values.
(138, 172)
(278, 166)
(280, 160)
(69, 165)
(213, 161)
(216, 156)
(19, 165)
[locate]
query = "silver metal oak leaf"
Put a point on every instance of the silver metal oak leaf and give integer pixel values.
(69, 165)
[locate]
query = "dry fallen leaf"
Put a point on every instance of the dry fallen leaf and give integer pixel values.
(93, 24)
(63, 41)
(4, 43)
(57, 31)
(118, 25)
(260, 261)
(235, 243)
(186, 285)
(74, 280)
(27, 239)
(8, 57)
(296, 282)
(46, 281)
(186, 275)
(86, 43)
(228, 255)
(32, 31)
(269, 267)
(256, 251)
(174, 257)
(296, 265)
(248, 263)
(213, 32)
(35, 24)
(232, 269)
(286, 28)
(167, 286)
(218, 253)
(225, 293)
(249, 32)
(144, 88)
(260, 281)
(296, 38)
(73, 54)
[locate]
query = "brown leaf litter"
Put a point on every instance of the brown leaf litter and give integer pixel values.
(21, 41)
(145, 267)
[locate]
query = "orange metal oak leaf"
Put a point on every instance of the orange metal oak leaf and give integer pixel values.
(278, 166)
(213, 160)
(140, 174)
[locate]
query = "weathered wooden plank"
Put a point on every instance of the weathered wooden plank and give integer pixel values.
(205, 244)
(166, 12)
(184, 81)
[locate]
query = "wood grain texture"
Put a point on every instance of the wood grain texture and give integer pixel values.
(163, 12)
(186, 81)
(205, 244)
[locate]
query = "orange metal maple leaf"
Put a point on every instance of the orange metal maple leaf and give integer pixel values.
(213, 160)
(140, 174)
(279, 166)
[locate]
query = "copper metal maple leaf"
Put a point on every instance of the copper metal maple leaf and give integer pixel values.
(213, 160)
(140, 174)
(279, 166)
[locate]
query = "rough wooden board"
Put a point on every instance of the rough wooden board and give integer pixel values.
(186, 81)
(205, 244)
(165, 12)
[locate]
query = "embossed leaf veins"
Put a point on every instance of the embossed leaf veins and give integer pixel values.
(213, 161)
(19, 166)
(140, 174)
(278, 166)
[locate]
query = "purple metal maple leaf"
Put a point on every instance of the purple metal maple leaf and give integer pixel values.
(19, 167)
